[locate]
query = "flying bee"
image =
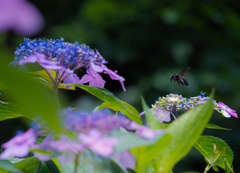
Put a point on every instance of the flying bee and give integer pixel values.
(178, 77)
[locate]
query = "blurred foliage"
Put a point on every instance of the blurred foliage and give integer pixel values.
(145, 40)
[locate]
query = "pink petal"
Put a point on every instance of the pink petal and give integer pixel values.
(86, 78)
(72, 79)
(146, 133)
(29, 59)
(97, 81)
(20, 16)
(96, 68)
(42, 157)
(102, 147)
(127, 160)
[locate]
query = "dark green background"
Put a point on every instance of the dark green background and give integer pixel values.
(145, 40)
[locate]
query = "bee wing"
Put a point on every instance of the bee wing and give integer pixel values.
(182, 73)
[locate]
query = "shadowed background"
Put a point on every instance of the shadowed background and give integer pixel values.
(145, 40)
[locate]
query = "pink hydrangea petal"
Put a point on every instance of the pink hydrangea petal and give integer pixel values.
(96, 68)
(127, 160)
(29, 59)
(102, 148)
(97, 81)
(162, 115)
(114, 76)
(86, 78)
(225, 114)
(72, 79)
(42, 157)
(146, 133)
(228, 109)
(16, 151)
(20, 16)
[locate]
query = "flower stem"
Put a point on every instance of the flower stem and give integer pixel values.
(175, 110)
(76, 163)
(207, 169)
(55, 95)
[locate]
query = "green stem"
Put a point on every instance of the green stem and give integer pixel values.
(55, 95)
(76, 163)
(207, 168)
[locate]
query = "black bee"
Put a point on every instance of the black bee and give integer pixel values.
(178, 77)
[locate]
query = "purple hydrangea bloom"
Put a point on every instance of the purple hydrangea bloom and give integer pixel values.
(172, 103)
(19, 145)
(20, 16)
(65, 58)
(104, 146)
(79, 121)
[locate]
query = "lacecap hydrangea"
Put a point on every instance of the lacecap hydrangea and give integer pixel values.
(64, 58)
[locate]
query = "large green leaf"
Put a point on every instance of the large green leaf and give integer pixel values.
(28, 165)
(12, 110)
(112, 102)
(145, 154)
(185, 132)
(205, 146)
(25, 91)
(6, 167)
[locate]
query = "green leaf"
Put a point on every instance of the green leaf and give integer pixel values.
(44, 168)
(43, 74)
(145, 154)
(26, 91)
(27, 165)
(205, 147)
(152, 121)
(112, 101)
(12, 110)
(213, 126)
(57, 163)
(6, 166)
(44, 79)
(133, 141)
(185, 132)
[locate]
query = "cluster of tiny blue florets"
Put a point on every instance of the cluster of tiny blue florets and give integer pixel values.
(67, 54)
(79, 121)
(178, 102)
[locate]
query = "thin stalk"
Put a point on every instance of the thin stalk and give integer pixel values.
(76, 163)
(207, 169)
(173, 116)
(55, 95)
(175, 110)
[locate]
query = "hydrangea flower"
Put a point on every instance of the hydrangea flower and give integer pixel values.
(83, 122)
(173, 103)
(226, 111)
(20, 16)
(89, 130)
(104, 146)
(65, 58)
(19, 145)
